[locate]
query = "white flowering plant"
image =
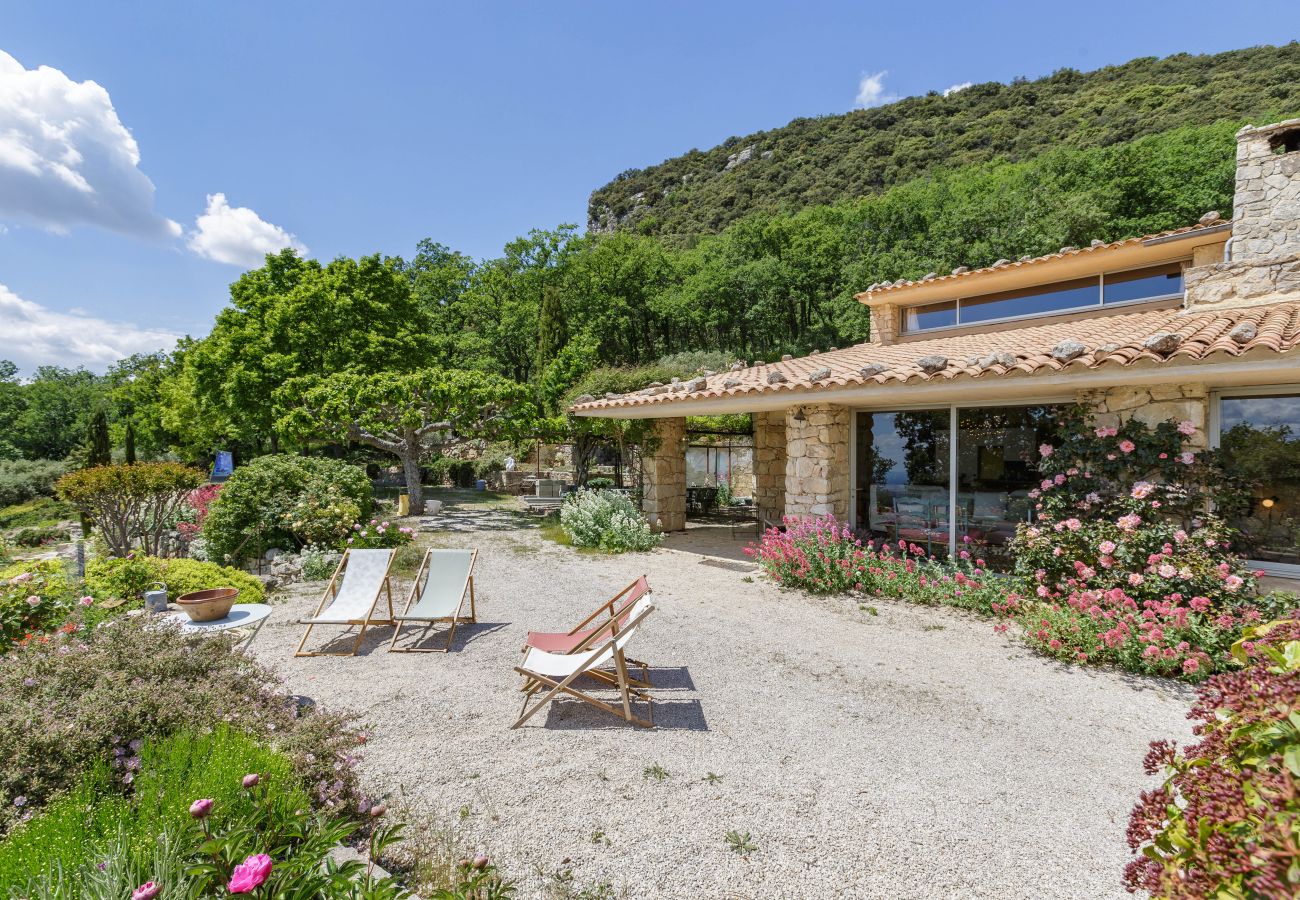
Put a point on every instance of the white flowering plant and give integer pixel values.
(607, 520)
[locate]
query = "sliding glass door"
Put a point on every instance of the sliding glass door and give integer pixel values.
(908, 467)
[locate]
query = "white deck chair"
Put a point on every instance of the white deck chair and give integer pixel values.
(448, 578)
(351, 596)
(557, 671)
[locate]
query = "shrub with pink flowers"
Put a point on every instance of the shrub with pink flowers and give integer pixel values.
(1127, 562)
(194, 510)
(1225, 821)
(824, 556)
(377, 534)
(35, 598)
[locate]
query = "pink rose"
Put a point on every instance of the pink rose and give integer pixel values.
(1167, 571)
(1187, 457)
(86, 601)
(1142, 490)
(1127, 446)
(1187, 427)
(1191, 665)
(1135, 579)
(250, 874)
(1106, 547)
(146, 891)
(1045, 450)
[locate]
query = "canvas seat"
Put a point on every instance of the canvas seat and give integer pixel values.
(351, 596)
(444, 580)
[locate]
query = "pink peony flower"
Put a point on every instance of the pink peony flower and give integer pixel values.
(33, 600)
(1127, 446)
(251, 780)
(200, 808)
(250, 874)
(146, 891)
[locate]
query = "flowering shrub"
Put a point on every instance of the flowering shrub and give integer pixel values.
(318, 563)
(255, 509)
(128, 578)
(824, 556)
(35, 598)
(194, 511)
(1126, 564)
(376, 534)
(82, 693)
(1225, 820)
(607, 520)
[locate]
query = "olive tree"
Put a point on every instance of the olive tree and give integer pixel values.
(130, 503)
(405, 413)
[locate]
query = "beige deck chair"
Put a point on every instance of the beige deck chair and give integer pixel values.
(351, 597)
(448, 578)
(554, 673)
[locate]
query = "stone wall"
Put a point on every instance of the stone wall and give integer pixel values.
(664, 474)
(1248, 282)
(1152, 405)
(885, 323)
(769, 463)
(1266, 206)
(817, 461)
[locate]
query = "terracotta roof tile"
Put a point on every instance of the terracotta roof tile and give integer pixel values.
(1115, 339)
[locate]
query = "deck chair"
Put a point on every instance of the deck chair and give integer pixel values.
(552, 674)
(448, 577)
(351, 597)
(584, 635)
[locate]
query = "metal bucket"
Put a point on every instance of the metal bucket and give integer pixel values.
(155, 599)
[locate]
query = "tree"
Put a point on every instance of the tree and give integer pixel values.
(57, 406)
(99, 448)
(129, 443)
(404, 413)
(130, 503)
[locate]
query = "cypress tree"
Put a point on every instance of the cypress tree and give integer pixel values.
(101, 451)
(130, 443)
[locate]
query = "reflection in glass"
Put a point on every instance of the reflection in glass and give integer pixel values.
(997, 455)
(1260, 438)
(936, 315)
(1144, 284)
(1082, 292)
(903, 476)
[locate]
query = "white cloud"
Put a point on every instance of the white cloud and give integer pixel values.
(66, 159)
(37, 336)
(871, 91)
(949, 91)
(237, 235)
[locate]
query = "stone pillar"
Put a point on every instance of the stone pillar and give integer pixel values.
(769, 463)
(817, 461)
(1266, 206)
(1152, 405)
(885, 323)
(663, 468)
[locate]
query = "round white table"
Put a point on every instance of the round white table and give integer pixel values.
(241, 615)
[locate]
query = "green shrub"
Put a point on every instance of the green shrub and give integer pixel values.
(130, 504)
(35, 597)
(261, 493)
(38, 511)
(607, 520)
(115, 577)
(319, 563)
(377, 535)
(599, 483)
(460, 473)
(40, 535)
(22, 480)
(163, 777)
(74, 699)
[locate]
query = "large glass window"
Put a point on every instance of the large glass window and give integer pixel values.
(1134, 286)
(1260, 437)
(902, 470)
(997, 451)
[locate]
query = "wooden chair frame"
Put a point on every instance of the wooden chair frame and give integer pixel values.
(455, 619)
(330, 591)
(603, 628)
(535, 682)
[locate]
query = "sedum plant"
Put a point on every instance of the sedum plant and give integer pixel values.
(606, 520)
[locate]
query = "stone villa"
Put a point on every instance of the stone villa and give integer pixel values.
(928, 430)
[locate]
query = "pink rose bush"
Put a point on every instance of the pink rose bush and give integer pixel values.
(377, 534)
(1149, 580)
(194, 511)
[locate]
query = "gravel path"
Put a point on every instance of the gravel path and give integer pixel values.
(911, 753)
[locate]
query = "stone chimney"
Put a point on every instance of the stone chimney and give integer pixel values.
(1263, 264)
(1266, 207)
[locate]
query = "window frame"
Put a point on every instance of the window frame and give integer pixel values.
(1101, 303)
(1214, 427)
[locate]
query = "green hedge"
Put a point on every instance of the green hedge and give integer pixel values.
(128, 578)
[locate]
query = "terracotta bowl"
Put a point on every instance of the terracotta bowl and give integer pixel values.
(206, 606)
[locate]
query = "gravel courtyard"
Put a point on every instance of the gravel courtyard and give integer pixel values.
(910, 753)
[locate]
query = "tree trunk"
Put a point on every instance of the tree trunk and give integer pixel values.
(411, 469)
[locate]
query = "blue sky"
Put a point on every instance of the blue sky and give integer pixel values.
(353, 128)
